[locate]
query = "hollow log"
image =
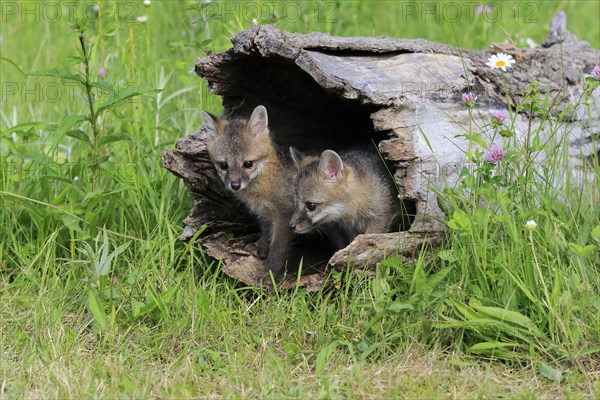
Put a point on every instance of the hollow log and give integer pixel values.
(404, 95)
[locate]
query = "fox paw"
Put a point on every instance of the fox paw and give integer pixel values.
(263, 278)
(260, 249)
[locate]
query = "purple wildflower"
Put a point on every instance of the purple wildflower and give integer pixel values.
(495, 154)
(483, 9)
(469, 97)
(596, 72)
(101, 73)
(499, 117)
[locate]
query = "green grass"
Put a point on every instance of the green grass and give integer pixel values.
(98, 298)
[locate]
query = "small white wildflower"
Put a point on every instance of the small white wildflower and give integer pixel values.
(147, 2)
(254, 21)
(531, 43)
(500, 61)
(76, 178)
(530, 225)
(142, 19)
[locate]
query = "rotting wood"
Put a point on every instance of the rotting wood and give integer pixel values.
(325, 92)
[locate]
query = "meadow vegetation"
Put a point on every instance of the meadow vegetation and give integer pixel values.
(99, 298)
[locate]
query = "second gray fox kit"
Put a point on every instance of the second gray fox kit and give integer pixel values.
(249, 165)
(346, 194)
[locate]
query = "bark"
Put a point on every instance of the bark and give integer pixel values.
(323, 92)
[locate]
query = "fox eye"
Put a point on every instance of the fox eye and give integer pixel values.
(311, 206)
(223, 165)
(248, 164)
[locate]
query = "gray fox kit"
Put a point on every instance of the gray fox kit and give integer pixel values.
(346, 194)
(249, 165)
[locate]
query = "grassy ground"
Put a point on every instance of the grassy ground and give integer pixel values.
(98, 298)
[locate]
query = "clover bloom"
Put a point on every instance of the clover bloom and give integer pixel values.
(481, 9)
(495, 154)
(469, 97)
(499, 117)
(530, 225)
(596, 72)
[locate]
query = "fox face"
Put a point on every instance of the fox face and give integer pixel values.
(239, 149)
(318, 192)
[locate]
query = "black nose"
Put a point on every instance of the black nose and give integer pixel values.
(235, 185)
(292, 226)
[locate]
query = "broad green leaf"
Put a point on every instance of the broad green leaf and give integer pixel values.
(103, 85)
(583, 251)
(23, 126)
(509, 316)
(399, 307)
(60, 73)
(596, 233)
(105, 263)
(466, 311)
(323, 358)
(491, 347)
(136, 307)
(112, 138)
(97, 310)
(71, 222)
(80, 135)
(447, 255)
(550, 373)
(65, 126)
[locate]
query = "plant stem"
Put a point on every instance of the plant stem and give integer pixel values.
(93, 116)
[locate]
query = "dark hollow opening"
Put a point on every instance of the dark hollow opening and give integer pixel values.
(307, 116)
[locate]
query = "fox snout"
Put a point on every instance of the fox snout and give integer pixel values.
(237, 184)
(300, 223)
(235, 180)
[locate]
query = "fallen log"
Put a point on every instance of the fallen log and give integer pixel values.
(404, 95)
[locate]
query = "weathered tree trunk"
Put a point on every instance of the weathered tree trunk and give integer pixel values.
(405, 95)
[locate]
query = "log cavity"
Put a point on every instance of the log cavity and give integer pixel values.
(301, 112)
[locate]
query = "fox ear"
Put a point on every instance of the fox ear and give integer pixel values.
(259, 122)
(210, 122)
(331, 166)
(297, 157)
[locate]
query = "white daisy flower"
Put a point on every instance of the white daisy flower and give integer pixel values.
(142, 19)
(500, 61)
(147, 2)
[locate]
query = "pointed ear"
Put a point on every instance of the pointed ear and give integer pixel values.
(331, 166)
(210, 122)
(297, 157)
(259, 122)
